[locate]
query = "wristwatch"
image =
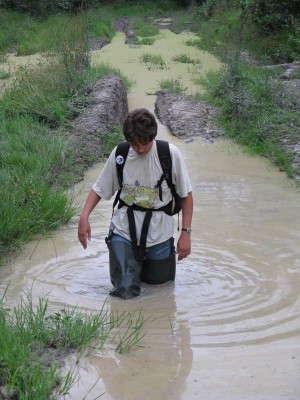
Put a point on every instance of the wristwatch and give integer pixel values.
(188, 230)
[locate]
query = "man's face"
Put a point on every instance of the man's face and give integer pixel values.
(142, 149)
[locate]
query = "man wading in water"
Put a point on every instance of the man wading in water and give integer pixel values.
(140, 239)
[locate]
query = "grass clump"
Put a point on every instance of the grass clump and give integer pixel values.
(185, 59)
(110, 139)
(31, 203)
(40, 92)
(15, 27)
(174, 85)
(144, 29)
(153, 61)
(34, 342)
(256, 110)
(25, 35)
(100, 22)
(147, 41)
(144, 32)
(5, 75)
(203, 44)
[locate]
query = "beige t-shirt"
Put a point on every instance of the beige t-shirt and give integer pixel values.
(140, 176)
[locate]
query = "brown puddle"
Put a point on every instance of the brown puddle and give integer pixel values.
(229, 327)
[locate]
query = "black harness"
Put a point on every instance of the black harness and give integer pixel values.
(173, 207)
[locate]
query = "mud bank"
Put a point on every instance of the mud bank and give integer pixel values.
(186, 118)
(107, 109)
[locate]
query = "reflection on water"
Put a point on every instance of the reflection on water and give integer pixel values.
(229, 327)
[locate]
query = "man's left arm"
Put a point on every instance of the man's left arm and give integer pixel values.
(184, 241)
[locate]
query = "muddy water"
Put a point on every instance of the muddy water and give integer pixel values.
(229, 327)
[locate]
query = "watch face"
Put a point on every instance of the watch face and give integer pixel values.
(189, 230)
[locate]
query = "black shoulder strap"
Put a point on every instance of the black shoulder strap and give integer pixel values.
(163, 151)
(121, 155)
(164, 155)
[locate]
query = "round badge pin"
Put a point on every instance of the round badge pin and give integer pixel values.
(119, 160)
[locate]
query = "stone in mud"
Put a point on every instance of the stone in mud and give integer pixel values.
(187, 118)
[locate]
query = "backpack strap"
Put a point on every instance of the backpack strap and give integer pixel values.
(138, 250)
(120, 157)
(164, 155)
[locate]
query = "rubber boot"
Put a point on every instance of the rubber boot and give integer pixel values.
(159, 271)
(125, 271)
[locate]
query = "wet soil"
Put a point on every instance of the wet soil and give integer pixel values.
(186, 118)
(107, 107)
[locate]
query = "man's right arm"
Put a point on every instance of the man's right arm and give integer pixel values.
(84, 228)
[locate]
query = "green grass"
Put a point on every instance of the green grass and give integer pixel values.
(147, 41)
(39, 92)
(223, 26)
(35, 340)
(110, 140)
(201, 44)
(25, 35)
(144, 29)
(36, 163)
(100, 22)
(153, 61)
(255, 109)
(174, 85)
(5, 75)
(15, 27)
(185, 59)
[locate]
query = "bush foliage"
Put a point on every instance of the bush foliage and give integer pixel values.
(46, 7)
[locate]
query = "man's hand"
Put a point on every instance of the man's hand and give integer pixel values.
(184, 245)
(84, 231)
(84, 228)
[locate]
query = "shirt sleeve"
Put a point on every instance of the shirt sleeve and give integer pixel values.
(180, 176)
(107, 183)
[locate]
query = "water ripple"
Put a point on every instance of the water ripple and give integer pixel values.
(237, 299)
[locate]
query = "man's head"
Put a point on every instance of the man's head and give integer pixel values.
(140, 127)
